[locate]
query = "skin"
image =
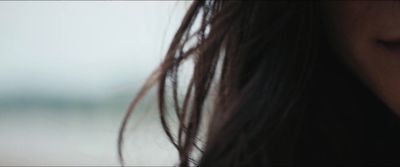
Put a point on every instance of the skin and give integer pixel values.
(356, 27)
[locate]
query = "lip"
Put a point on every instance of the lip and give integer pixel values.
(392, 46)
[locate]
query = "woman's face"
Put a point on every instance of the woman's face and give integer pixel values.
(367, 35)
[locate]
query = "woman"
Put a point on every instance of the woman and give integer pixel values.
(291, 83)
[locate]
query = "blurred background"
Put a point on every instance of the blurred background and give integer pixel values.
(68, 71)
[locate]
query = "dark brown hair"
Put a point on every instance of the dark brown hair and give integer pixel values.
(273, 69)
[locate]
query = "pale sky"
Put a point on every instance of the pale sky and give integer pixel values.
(82, 48)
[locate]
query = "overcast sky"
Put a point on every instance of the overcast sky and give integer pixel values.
(82, 48)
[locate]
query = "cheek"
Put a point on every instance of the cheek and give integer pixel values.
(357, 26)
